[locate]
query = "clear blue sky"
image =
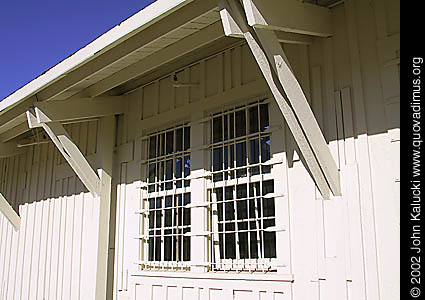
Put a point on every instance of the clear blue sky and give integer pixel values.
(36, 35)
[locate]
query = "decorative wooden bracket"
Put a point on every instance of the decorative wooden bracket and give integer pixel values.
(10, 214)
(69, 150)
(289, 96)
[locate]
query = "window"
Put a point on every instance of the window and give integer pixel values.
(242, 190)
(226, 207)
(166, 199)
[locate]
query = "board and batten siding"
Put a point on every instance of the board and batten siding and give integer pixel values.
(343, 248)
(52, 255)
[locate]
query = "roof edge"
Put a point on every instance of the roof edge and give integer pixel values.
(121, 32)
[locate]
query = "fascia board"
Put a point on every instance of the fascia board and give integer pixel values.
(136, 23)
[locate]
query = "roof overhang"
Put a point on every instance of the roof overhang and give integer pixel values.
(142, 48)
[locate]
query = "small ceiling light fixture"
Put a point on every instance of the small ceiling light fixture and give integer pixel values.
(177, 84)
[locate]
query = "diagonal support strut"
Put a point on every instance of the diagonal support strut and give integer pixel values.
(289, 96)
(70, 152)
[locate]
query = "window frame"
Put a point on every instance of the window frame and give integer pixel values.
(200, 144)
(242, 264)
(161, 191)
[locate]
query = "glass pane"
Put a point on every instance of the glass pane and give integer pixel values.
(179, 140)
(179, 216)
(179, 167)
(251, 210)
(254, 153)
(158, 246)
(168, 212)
(240, 123)
(264, 117)
(268, 207)
(229, 206)
(230, 242)
(186, 138)
(219, 197)
(265, 153)
(226, 127)
(151, 203)
(226, 161)
(152, 172)
(231, 125)
(175, 245)
(253, 119)
(241, 191)
(151, 248)
(158, 219)
(217, 129)
(152, 146)
(186, 166)
(186, 246)
(230, 211)
(186, 211)
(242, 206)
(243, 245)
(232, 161)
(162, 145)
(269, 244)
(161, 171)
(167, 245)
(253, 244)
(268, 187)
(221, 242)
(229, 193)
(242, 209)
(241, 159)
(169, 169)
(170, 142)
(151, 219)
(265, 148)
(217, 159)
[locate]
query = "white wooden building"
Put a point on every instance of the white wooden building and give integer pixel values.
(207, 149)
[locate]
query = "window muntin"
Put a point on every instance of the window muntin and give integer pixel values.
(167, 197)
(243, 210)
(169, 159)
(240, 138)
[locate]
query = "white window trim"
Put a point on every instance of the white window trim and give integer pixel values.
(201, 231)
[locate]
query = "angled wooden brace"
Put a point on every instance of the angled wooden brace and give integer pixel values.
(99, 186)
(301, 120)
(10, 214)
(69, 150)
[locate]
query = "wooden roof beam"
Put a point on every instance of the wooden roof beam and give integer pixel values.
(78, 109)
(290, 16)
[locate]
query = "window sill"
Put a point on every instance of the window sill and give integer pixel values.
(216, 276)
